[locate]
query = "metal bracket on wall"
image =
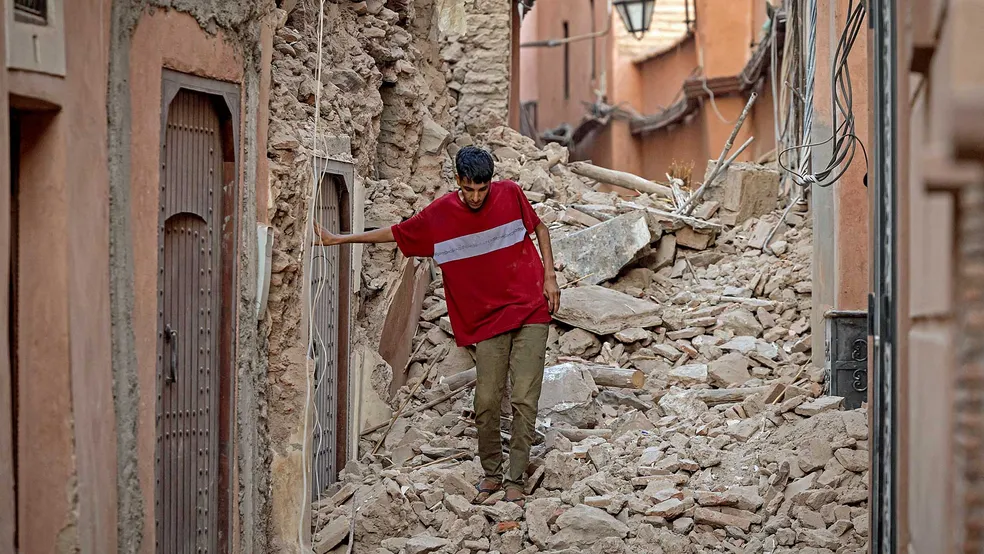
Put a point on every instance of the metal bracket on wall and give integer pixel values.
(264, 261)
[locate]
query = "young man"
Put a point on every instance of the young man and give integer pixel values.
(499, 294)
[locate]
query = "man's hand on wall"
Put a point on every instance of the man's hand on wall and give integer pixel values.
(324, 238)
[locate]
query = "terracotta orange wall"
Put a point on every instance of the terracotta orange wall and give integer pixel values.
(625, 88)
(852, 195)
(661, 85)
(46, 469)
(529, 67)
(724, 29)
(546, 65)
(701, 136)
(763, 122)
(662, 77)
(164, 39)
(850, 217)
(684, 143)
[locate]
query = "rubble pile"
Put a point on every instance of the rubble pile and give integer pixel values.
(680, 410)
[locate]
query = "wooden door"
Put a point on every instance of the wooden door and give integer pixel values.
(189, 317)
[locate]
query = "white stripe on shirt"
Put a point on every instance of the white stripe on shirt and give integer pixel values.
(476, 244)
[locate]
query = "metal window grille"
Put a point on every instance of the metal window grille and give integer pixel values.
(31, 11)
(325, 275)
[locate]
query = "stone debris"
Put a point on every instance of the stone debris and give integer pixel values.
(605, 311)
(724, 443)
(598, 253)
(568, 395)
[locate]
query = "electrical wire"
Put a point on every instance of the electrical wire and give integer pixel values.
(845, 141)
(315, 197)
(773, 66)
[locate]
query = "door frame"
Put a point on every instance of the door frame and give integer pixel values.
(326, 168)
(883, 301)
(229, 95)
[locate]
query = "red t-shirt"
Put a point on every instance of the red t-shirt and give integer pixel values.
(493, 275)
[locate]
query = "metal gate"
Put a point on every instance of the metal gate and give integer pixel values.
(189, 317)
(325, 281)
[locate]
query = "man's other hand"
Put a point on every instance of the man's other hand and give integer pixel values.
(552, 292)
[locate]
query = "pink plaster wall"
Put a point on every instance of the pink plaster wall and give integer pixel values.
(543, 68)
(172, 40)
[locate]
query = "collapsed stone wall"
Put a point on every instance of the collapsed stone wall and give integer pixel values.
(479, 62)
(397, 78)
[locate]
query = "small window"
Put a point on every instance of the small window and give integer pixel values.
(34, 12)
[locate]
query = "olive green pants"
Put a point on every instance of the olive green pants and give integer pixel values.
(517, 355)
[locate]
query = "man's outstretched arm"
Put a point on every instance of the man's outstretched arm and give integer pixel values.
(324, 238)
(550, 288)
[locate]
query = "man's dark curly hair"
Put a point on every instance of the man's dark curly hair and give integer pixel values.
(474, 165)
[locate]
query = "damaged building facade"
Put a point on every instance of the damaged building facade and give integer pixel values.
(181, 369)
(162, 158)
(403, 85)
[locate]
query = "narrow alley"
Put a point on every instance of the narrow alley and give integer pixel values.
(264, 273)
(680, 411)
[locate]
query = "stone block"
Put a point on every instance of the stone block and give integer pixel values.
(691, 374)
(598, 253)
(750, 190)
(568, 394)
(604, 311)
(698, 240)
(665, 252)
(730, 370)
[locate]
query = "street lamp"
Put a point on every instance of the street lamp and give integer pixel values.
(636, 15)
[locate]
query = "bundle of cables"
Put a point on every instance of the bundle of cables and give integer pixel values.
(845, 141)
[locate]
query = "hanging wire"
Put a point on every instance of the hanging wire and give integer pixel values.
(703, 78)
(309, 239)
(845, 141)
(773, 71)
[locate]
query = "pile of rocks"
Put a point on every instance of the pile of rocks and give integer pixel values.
(680, 412)
(648, 483)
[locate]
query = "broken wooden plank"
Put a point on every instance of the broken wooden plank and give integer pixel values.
(751, 302)
(458, 379)
(578, 435)
(609, 376)
(692, 221)
(713, 397)
(620, 178)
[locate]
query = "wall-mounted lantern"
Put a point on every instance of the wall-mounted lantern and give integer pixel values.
(636, 15)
